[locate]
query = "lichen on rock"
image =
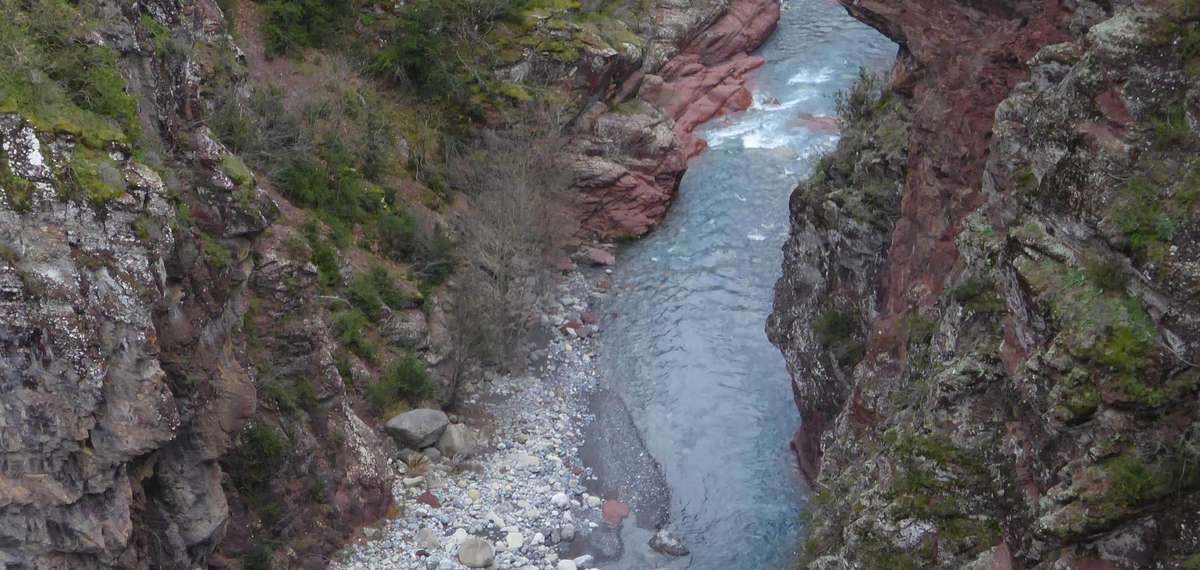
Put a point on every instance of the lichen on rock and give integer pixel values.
(1027, 387)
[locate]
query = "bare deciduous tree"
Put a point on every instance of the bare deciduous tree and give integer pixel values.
(513, 229)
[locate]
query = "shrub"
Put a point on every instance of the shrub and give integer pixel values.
(300, 395)
(260, 128)
(385, 284)
(920, 329)
(407, 380)
(341, 360)
(1172, 131)
(259, 557)
(9, 255)
(1145, 218)
(323, 255)
(217, 255)
(258, 458)
(429, 248)
(837, 332)
(978, 294)
(374, 290)
(437, 257)
(330, 182)
(365, 297)
(296, 24)
(316, 491)
(425, 50)
(236, 170)
(350, 329)
(1107, 273)
(160, 36)
(861, 99)
(18, 190)
(1126, 349)
(1133, 482)
(96, 175)
(325, 258)
(398, 235)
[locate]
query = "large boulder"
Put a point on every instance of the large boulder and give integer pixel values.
(476, 552)
(417, 429)
(457, 441)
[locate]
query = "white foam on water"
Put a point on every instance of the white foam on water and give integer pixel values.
(718, 137)
(811, 76)
(763, 102)
(771, 103)
(765, 139)
(755, 236)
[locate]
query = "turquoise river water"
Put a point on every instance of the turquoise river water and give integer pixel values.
(685, 352)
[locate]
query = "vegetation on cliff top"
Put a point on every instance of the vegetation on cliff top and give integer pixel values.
(58, 78)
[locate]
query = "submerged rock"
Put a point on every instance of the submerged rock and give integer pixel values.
(666, 542)
(605, 542)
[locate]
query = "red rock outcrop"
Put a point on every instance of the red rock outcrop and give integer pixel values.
(958, 62)
(663, 105)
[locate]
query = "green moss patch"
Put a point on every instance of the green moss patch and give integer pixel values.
(935, 482)
(216, 253)
(236, 170)
(18, 190)
(96, 175)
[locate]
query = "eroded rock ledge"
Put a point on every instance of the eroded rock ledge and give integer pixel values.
(635, 143)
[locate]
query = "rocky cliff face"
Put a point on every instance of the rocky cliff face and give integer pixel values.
(128, 373)
(169, 381)
(990, 322)
(121, 384)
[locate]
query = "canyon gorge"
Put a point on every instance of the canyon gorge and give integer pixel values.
(483, 283)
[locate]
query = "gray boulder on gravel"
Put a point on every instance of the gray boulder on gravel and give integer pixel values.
(417, 428)
(476, 552)
(457, 441)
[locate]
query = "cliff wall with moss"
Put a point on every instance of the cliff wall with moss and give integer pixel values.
(988, 299)
(230, 230)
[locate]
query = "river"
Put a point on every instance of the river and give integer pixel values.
(704, 397)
